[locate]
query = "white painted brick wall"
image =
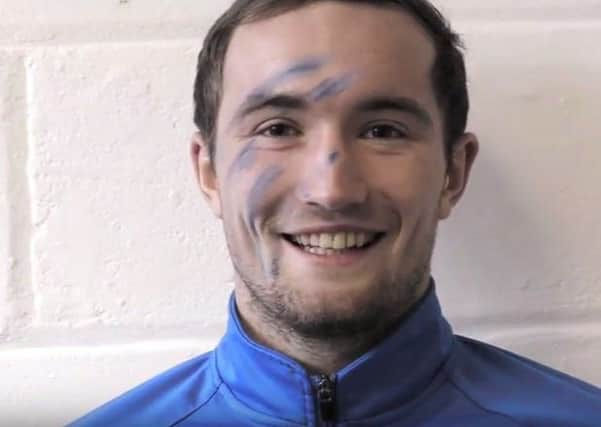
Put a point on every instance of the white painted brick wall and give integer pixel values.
(113, 269)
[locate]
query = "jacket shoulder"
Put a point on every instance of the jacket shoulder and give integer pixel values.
(528, 392)
(163, 400)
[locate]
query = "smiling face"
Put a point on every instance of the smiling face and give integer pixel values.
(330, 175)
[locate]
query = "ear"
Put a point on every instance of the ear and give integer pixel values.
(205, 173)
(458, 172)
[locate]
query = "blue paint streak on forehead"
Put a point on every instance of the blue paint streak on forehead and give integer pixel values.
(267, 88)
(305, 66)
(258, 191)
(331, 86)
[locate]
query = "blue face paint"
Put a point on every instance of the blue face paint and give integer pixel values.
(268, 87)
(333, 157)
(258, 191)
(275, 268)
(245, 159)
(305, 66)
(331, 86)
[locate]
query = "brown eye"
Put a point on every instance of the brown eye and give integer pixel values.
(383, 132)
(279, 130)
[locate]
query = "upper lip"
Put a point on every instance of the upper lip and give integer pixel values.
(334, 228)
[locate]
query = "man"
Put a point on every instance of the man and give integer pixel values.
(331, 142)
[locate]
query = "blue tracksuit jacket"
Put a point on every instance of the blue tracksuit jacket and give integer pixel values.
(421, 376)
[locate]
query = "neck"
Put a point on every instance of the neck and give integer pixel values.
(317, 355)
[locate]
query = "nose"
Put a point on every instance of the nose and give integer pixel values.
(333, 178)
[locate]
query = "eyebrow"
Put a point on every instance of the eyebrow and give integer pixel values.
(257, 102)
(396, 103)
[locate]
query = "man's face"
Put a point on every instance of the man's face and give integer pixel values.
(329, 170)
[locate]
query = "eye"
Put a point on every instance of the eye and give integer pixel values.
(383, 131)
(279, 130)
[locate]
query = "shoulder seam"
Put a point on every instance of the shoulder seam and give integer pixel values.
(188, 415)
(479, 405)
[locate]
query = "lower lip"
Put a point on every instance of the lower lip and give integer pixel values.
(344, 258)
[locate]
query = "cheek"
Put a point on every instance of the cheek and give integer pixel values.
(411, 185)
(244, 160)
(258, 195)
(249, 197)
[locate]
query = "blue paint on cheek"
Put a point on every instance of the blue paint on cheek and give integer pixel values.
(275, 268)
(245, 159)
(258, 191)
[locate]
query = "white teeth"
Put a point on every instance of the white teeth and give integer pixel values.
(334, 241)
(314, 239)
(319, 251)
(326, 240)
(339, 241)
(351, 240)
(361, 238)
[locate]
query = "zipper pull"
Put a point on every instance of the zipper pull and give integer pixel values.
(326, 396)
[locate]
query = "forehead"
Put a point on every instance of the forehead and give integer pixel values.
(386, 47)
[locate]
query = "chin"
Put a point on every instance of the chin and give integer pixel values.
(340, 299)
(337, 317)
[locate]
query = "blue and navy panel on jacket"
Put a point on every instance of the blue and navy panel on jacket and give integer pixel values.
(421, 376)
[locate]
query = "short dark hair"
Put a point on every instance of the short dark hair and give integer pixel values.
(448, 72)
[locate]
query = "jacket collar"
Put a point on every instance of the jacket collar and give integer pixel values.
(385, 378)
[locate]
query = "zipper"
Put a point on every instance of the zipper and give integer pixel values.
(326, 398)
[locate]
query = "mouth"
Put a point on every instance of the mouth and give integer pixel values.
(331, 244)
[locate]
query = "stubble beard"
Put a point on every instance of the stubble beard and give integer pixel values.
(283, 308)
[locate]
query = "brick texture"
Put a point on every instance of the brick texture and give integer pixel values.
(6, 76)
(113, 268)
(524, 227)
(57, 385)
(120, 231)
(15, 281)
